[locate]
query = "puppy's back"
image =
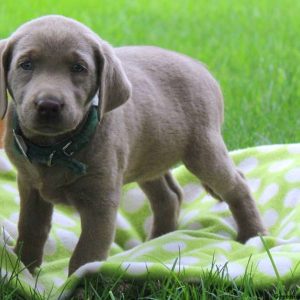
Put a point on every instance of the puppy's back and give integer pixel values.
(172, 81)
(174, 99)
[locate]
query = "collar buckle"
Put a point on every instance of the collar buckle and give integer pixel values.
(65, 148)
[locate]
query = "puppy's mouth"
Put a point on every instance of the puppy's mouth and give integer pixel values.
(50, 129)
(44, 132)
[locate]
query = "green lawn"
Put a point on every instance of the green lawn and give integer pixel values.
(252, 48)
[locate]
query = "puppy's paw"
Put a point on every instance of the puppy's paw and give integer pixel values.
(123, 287)
(29, 262)
(243, 237)
(79, 294)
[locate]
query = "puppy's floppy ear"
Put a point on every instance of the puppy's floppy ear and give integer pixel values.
(115, 87)
(3, 92)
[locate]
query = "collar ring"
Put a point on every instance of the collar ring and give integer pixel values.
(65, 147)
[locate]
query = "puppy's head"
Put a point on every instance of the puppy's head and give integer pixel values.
(53, 67)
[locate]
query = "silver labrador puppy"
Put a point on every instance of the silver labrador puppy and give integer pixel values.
(155, 108)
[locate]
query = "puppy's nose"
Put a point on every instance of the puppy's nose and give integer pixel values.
(48, 107)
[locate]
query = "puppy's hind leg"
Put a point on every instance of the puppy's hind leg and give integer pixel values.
(208, 159)
(165, 197)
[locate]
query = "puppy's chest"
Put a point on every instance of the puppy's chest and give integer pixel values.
(52, 183)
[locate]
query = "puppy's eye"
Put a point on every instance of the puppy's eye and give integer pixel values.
(77, 68)
(26, 65)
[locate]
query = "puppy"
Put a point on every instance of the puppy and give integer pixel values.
(86, 118)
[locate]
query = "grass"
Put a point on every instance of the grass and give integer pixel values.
(252, 48)
(215, 284)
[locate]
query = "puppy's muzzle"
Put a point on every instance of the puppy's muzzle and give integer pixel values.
(48, 109)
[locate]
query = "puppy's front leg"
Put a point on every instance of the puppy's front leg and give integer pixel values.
(98, 209)
(34, 225)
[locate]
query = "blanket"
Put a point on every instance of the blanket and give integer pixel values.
(205, 239)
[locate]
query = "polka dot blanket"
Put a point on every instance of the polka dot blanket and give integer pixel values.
(204, 240)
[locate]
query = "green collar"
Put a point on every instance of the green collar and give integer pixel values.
(60, 153)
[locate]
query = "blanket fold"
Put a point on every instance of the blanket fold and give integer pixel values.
(205, 239)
